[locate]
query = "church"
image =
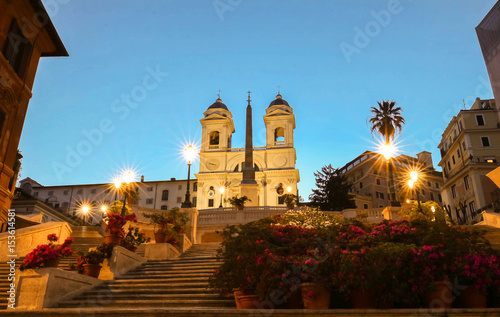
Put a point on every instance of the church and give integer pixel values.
(263, 174)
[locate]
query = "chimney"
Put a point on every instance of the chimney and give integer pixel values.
(142, 179)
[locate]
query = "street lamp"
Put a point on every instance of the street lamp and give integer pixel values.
(221, 193)
(85, 209)
(289, 189)
(412, 182)
(125, 180)
(104, 210)
(189, 155)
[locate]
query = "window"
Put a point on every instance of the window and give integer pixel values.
(17, 49)
(279, 136)
(360, 185)
(65, 205)
(164, 195)
(490, 159)
(365, 206)
(429, 184)
(210, 203)
(281, 200)
(51, 193)
(66, 192)
(35, 194)
(479, 119)
(164, 207)
(437, 185)
(453, 159)
(460, 127)
(440, 198)
(449, 166)
(93, 191)
(458, 153)
(150, 189)
(380, 195)
(180, 187)
(423, 192)
(472, 207)
(107, 191)
(485, 140)
(214, 138)
(454, 191)
(179, 200)
(149, 201)
(378, 181)
(432, 196)
(80, 191)
(466, 182)
(463, 146)
(195, 200)
(195, 186)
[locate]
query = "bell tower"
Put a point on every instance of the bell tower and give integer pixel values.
(280, 123)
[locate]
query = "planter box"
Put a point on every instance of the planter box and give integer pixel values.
(43, 288)
(121, 261)
(161, 251)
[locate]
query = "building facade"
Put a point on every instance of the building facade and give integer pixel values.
(221, 165)
(69, 199)
(368, 174)
(470, 149)
(26, 34)
(488, 34)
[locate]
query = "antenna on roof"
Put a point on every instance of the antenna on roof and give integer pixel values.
(465, 107)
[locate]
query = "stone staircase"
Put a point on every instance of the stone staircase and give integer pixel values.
(85, 238)
(182, 282)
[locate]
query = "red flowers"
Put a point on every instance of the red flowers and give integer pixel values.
(116, 223)
(46, 252)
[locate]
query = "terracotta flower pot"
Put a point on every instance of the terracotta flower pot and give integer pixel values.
(473, 298)
(237, 293)
(240, 207)
(440, 297)
(92, 270)
(362, 298)
(52, 263)
(248, 301)
(160, 237)
(113, 239)
(294, 301)
(315, 296)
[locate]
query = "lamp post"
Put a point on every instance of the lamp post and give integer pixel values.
(104, 210)
(85, 209)
(189, 154)
(412, 182)
(221, 193)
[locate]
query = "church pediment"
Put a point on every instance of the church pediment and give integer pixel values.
(278, 112)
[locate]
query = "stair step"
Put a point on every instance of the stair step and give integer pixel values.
(179, 296)
(158, 286)
(157, 303)
(162, 280)
(149, 291)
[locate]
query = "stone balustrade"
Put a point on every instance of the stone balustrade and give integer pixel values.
(233, 216)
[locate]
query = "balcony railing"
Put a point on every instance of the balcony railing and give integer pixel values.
(233, 216)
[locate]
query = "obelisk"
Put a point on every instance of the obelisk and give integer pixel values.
(249, 186)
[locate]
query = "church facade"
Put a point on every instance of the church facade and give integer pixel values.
(221, 174)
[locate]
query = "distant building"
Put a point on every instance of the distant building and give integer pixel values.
(488, 33)
(26, 34)
(368, 174)
(470, 148)
(69, 198)
(221, 165)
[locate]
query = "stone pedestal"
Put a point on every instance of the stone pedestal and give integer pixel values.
(251, 191)
(161, 251)
(121, 261)
(43, 288)
(193, 223)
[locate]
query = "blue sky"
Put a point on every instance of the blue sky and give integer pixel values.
(332, 59)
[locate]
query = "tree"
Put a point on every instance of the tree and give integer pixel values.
(386, 120)
(333, 190)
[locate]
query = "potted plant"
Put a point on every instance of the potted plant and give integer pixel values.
(114, 227)
(89, 263)
(134, 238)
(163, 227)
(290, 200)
(238, 202)
(179, 219)
(47, 255)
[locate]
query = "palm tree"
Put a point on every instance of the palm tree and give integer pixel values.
(386, 119)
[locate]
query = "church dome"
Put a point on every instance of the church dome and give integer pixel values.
(279, 101)
(218, 105)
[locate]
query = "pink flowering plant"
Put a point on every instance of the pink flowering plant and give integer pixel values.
(116, 222)
(47, 252)
(479, 270)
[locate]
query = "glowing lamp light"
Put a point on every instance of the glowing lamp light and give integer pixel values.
(104, 208)
(128, 177)
(433, 209)
(410, 184)
(190, 154)
(289, 189)
(85, 209)
(117, 183)
(407, 201)
(387, 151)
(414, 176)
(221, 190)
